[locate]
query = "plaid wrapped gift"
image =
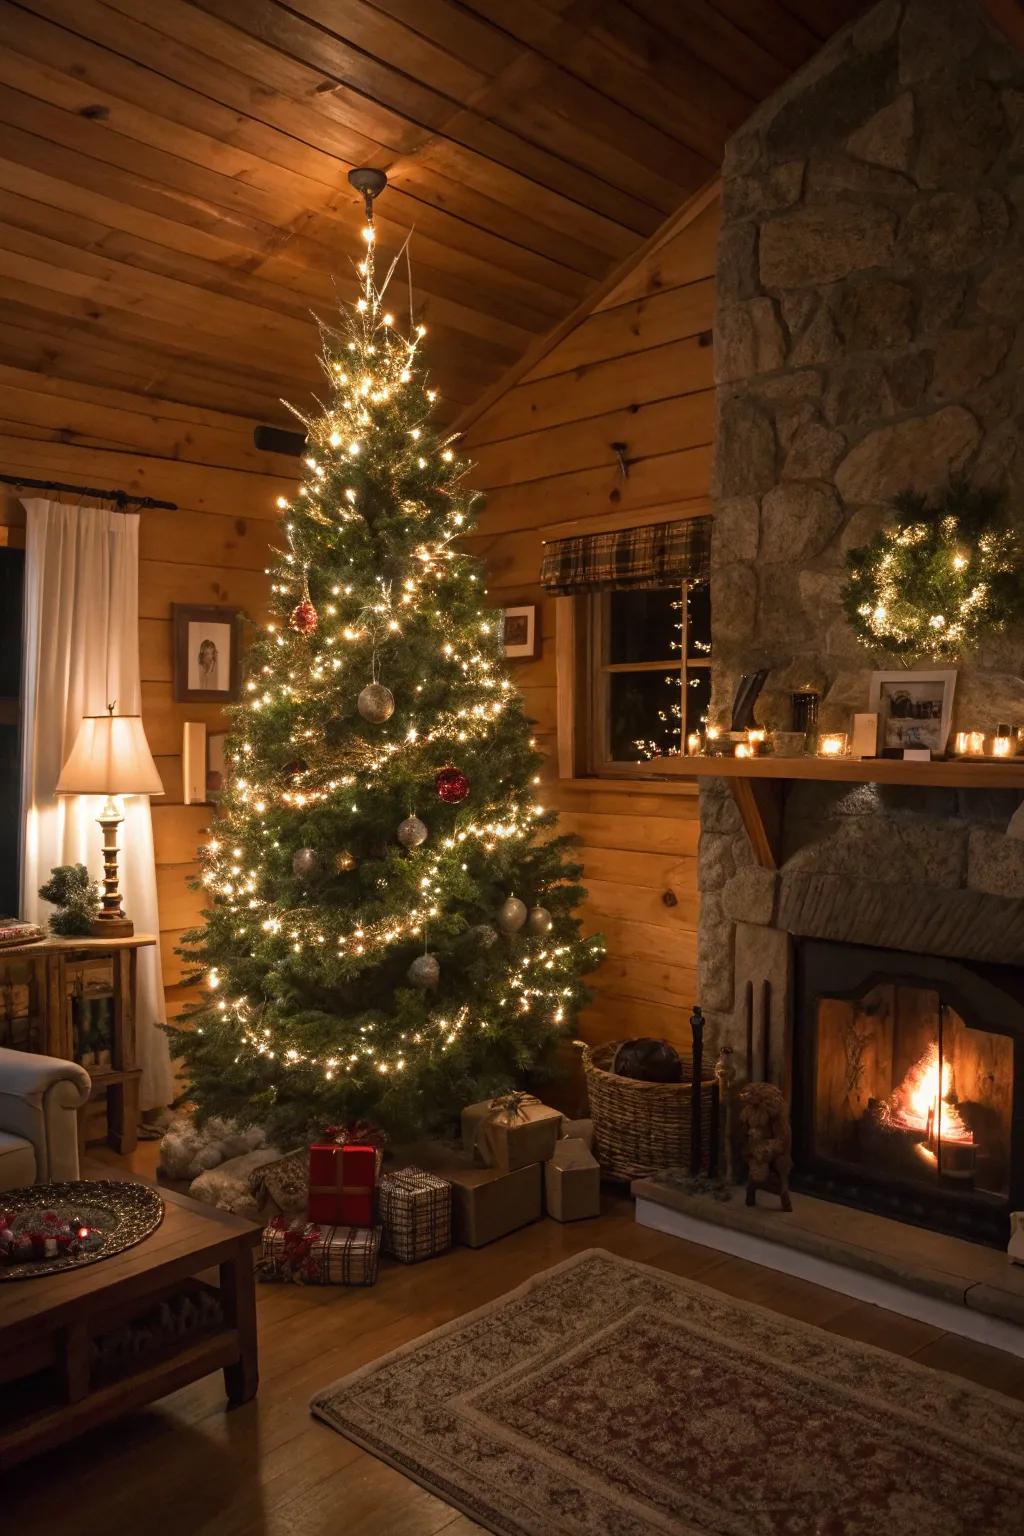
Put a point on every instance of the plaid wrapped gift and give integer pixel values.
(309, 1254)
(415, 1210)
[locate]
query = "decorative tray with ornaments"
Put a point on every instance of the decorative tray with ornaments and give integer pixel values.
(47, 1228)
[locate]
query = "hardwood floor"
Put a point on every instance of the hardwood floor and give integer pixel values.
(267, 1469)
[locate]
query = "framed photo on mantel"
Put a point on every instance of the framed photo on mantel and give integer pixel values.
(207, 654)
(914, 710)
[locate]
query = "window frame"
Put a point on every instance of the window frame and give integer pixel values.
(599, 671)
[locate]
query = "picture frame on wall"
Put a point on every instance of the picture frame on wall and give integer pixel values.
(521, 632)
(207, 652)
(915, 710)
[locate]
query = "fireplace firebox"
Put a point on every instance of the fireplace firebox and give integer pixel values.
(908, 1086)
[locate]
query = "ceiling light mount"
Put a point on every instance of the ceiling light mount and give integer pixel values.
(370, 182)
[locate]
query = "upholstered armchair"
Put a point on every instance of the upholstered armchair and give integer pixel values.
(39, 1101)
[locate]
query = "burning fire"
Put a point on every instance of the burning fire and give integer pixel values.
(923, 1102)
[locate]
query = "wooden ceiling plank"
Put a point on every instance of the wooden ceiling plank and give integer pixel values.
(368, 31)
(699, 27)
(452, 27)
(314, 47)
(825, 17)
(203, 184)
(610, 48)
(52, 207)
(773, 27)
(301, 100)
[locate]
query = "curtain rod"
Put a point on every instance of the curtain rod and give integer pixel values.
(123, 498)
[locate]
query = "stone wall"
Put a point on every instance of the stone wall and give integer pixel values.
(869, 337)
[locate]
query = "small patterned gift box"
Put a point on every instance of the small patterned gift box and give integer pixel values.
(415, 1210)
(309, 1254)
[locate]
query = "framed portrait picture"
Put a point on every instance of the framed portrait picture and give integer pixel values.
(914, 710)
(207, 654)
(522, 632)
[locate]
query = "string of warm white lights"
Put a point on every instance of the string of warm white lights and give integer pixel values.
(314, 906)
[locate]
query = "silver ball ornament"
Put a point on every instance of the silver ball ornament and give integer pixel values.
(512, 915)
(424, 971)
(539, 921)
(305, 863)
(412, 832)
(483, 935)
(376, 703)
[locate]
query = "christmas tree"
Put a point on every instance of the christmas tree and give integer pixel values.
(388, 923)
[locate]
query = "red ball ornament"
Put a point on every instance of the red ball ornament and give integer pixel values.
(304, 617)
(452, 785)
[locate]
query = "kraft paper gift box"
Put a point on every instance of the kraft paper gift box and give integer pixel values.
(415, 1210)
(572, 1181)
(510, 1132)
(579, 1130)
(486, 1203)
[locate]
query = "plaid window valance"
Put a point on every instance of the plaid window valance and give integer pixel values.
(657, 555)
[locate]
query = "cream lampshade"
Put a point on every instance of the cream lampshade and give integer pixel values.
(110, 757)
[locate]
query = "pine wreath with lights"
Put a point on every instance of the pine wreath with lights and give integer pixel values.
(944, 580)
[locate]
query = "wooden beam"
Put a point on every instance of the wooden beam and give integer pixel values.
(759, 802)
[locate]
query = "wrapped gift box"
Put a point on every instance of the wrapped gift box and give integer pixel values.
(510, 1132)
(572, 1181)
(486, 1203)
(310, 1254)
(579, 1130)
(341, 1184)
(415, 1209)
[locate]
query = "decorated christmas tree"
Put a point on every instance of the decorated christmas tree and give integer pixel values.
(388, 922)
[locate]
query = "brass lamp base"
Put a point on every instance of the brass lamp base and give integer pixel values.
(112, 927)
(111, 922)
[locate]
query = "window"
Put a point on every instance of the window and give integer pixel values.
(650, 653)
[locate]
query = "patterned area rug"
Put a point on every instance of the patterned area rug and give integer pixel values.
(607, 1398)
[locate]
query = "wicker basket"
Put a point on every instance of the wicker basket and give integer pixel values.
(643, 1128)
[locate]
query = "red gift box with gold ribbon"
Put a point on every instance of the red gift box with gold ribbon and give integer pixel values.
(341, 1184)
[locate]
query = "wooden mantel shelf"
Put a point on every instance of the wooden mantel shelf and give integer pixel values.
(758, 784)
(958, 773)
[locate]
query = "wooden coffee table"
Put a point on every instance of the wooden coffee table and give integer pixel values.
(50, 1386)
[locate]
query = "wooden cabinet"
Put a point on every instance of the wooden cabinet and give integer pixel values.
(75, 998)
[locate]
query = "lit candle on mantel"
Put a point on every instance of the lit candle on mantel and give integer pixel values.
(744, 749)
(693, 744)
(832, 744)
(970, 743)
(755, 739)
(1001, 746)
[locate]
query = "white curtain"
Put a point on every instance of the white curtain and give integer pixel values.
(81, 652)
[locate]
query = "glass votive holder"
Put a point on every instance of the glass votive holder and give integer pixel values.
(833, 744)
(743, 749)
(756, 739)
(970, 743)
(1002, 746)
(693, 744)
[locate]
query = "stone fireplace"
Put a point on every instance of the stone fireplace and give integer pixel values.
(870, 338)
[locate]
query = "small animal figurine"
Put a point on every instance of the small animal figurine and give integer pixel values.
(764, 1116)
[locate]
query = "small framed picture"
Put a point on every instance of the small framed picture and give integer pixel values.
(914, 710)
(522, 632)
(215, 769)
(207, 654)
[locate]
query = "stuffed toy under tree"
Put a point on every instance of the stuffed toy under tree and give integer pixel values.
(389, 929)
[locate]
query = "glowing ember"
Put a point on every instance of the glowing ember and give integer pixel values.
(923, 1102)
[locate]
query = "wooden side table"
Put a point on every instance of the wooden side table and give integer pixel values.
(47, 991)
(51, 1386)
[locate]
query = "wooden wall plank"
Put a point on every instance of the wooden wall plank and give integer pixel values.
(637, 370)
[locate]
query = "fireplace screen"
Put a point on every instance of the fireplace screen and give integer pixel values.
(908, 1086)
(906, 1090)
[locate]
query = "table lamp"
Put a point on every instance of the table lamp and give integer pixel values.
(110, 757)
